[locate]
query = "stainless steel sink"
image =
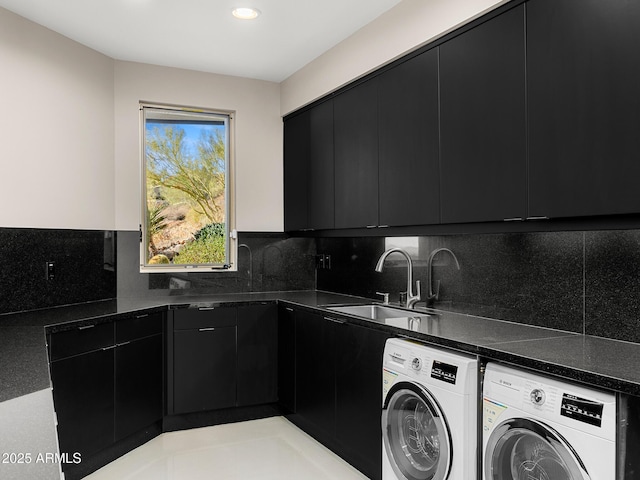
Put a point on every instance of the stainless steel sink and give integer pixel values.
(377, 312)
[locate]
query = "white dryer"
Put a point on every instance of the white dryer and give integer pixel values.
(536, 427)
(430, 413)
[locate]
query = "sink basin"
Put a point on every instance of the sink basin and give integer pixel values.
(377, 312)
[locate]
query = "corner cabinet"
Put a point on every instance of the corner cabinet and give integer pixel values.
(204, 359)
(584, 106)
(222, 357)
(107, 382)
(482, 121)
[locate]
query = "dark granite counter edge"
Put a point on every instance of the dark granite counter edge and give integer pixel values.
(315, 300)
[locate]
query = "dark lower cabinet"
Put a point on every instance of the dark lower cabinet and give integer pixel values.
(107, 388)
(315, 377)
(257, 354)
(83, 394)
(138, 385)
(204, 369)
(287, 358)
(359, 352)
(338, 388)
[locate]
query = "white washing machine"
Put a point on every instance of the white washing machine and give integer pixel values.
(536, 427)
(430, 413)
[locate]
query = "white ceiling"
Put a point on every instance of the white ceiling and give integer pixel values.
(203, 35)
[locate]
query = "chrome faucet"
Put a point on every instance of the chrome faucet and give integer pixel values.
(431, 296)
(411, 298)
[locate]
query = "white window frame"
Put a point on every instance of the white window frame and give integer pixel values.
(230, 196)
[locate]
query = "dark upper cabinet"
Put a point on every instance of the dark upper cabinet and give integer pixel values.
(483, 131)
(320, 202)
(584, 106)
(409, 149)
(257, 354)
(296, 171)
(356, 156)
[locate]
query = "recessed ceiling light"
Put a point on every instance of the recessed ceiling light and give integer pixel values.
(245, 13)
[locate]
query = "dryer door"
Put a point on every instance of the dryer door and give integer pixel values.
(525, 449)
(415, 434)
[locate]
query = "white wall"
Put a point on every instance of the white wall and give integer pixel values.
(56, 130)
(404, 28)
(258, 143)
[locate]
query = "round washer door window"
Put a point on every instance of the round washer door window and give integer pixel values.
(525, 449)
(415, 433)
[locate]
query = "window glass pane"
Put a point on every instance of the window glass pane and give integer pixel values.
(186, 176)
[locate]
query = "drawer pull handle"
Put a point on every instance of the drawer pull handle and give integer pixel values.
(86, 327)
(210, 329)
(288, 309)
(142, 316)
(109, 348)
(335, 320)
(204, 309)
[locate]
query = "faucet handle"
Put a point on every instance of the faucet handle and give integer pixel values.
(385, 296)
(418, 293)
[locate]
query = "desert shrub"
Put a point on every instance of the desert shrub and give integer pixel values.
(213, 230)
(205, 249)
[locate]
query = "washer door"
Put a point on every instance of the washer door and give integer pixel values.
(415, 434)
(525, 449)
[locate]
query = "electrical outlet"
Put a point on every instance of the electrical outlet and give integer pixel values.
(51, 270)
(323, 261)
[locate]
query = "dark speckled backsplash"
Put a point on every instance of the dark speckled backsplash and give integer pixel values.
(266, 263)
(584, 282)
(84, 262)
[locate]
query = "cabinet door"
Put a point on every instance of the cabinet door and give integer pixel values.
(584, 106)
(483, 132)
(287, 358)
(409, 146)
(138, 385)
(321, 170)
(83, 397)
(315, 388)
(296, 168)
(359, 352)
(257, 354)
(204, 369)
(356, 156)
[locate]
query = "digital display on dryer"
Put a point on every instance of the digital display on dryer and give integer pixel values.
(444, 371)
(581, 409)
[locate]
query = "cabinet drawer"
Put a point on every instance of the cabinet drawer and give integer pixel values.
(204, 317)
(139, 326)
(82, 339)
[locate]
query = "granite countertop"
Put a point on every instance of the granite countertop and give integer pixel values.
(592, 360)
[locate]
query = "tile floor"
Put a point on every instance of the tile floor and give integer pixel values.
(266, 449)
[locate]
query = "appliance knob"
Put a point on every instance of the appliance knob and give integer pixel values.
(416, 364)
(537, 396)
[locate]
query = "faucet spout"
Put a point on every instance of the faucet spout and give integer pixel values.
(411, 298)
(431, 295)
